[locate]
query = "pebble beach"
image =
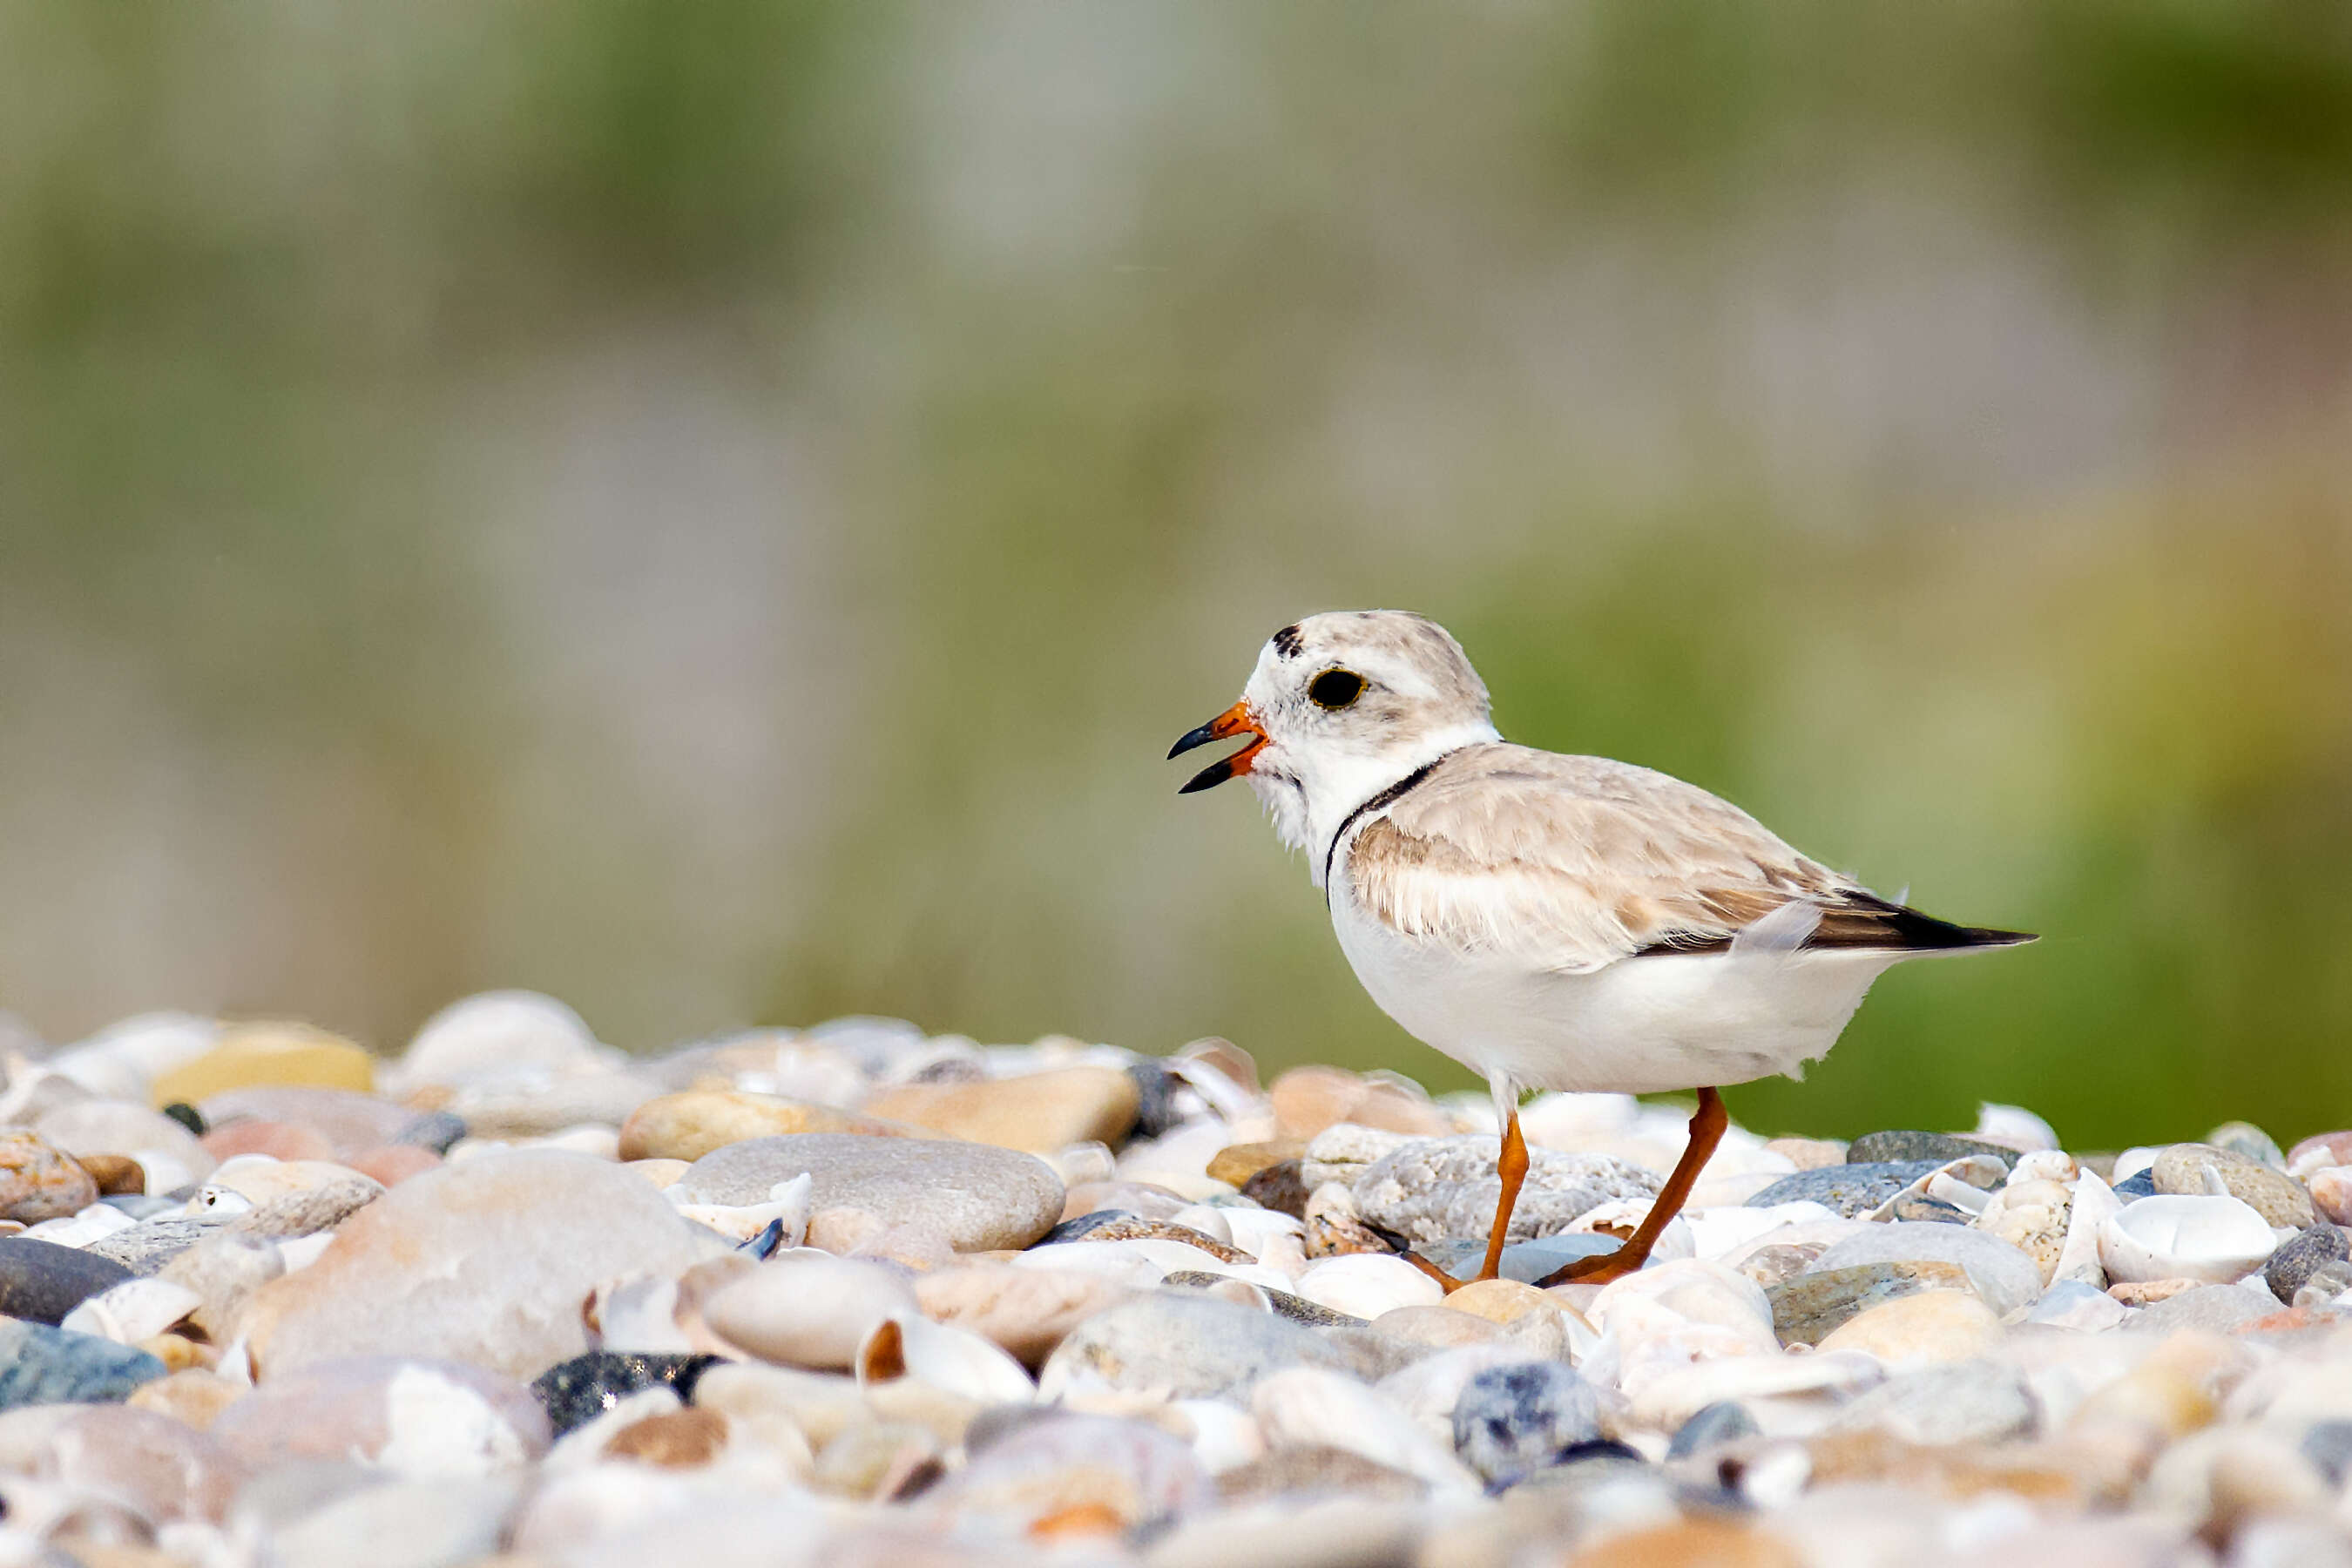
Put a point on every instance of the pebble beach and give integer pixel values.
(860, 1295)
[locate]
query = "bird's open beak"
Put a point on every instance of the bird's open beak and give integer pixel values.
(1237, 720)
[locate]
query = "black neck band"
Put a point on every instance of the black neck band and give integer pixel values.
(1388, 796)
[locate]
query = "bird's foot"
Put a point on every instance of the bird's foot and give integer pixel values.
(1403, 1247)
(1600, 1270)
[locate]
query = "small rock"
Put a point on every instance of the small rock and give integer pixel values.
(1850, 1190)
(2147, 1293)
(1431, 1189)
(1807, 1309)
(42, 1365)
(1725, 1421)
(251, 1055)
(1317, 1470)
(117, 1176)
(1960, 1402)
(1807, 1153)
(348, 1123)
(672, 1440)
(1500, 1301)
(1922, 1209)
(41, 1281)
(421, 1419)
(1026, 1312)
(689, 1125)
(2217, 1308)
(169, 1472)
(2196, 1170)
(501, 1036)
(2294, 1263)
(194, 1398)
(2141, 1183)
(1932, 1326)
(807, 1309)
(1281, 1303)
(1158, 1109)
(1887, 1148)
(145, 1247)
(1083, 1225)
(437, 1131)
(1512, 1420)
(1308, 1099)
(1040, 1112)
(980, 1197)
(1056, 1475)
(2005, 1277)
(1237, 1162)
(39, 1180)
(1180, 1345)
(2248, 1140)
(1279, 1187)
(576, 1391)
(305, 1211)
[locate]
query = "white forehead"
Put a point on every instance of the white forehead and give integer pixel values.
(1409, 652)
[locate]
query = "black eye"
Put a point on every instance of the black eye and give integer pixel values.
(1336, 688)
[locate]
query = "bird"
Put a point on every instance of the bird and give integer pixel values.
(1551, 921)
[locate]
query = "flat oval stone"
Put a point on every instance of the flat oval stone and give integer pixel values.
(689, 1125)
(41, 1281)
(981, 1198)
(1182, 1345)
(39, 1180)
(1040, 1112)
(2195, 1169)
(1885, 1147)
(2005, 1277)
(2294, 1263)
(256, 1054)
(1026, 1312)
(1513, 1420)
(42, 1365)
(1849, 1190)
(1809, 1308)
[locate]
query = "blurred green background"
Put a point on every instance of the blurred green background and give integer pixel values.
(717, 513)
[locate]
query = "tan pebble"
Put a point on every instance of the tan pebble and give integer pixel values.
(2147, 1293)
(689, 1125)
(39, 1180)
(178, 1353)
(1808, 1154)
(278, 1140)
(2200, 1168)
(393, 1164)
(1439, 1326)
(1237, 1162)
(1500, 1301)
(1025, 1311)
(874, 1459)
(677, 1439)
(193, 1396)
(114, 1174)
(2036, 1472)
(1041, 1112)
(2154, 1395)
(1309, 1098)
(255, 1054)
(1689, 1544)
(2331, 1193)
(663, 1174)
(1932, 1326)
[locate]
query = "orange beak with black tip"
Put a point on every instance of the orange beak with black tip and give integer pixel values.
(1237, 720)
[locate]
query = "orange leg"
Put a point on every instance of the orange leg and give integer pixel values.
(1706, 1125)
(1512, 1166)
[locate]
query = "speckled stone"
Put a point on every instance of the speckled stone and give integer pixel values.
(1848, 1190)
(2294, 1263)
(1512, 1420)
(1279, 1187)
(42, 1365)
(39, 1180)
(1809, 1308)
(1184, 1345)
(2192, 1169)
(146, 1247)
(576, 1392)
(41, 1281)
(1889, 1148)
(1130, 1228)
(689, 1125)
(2246, 1138)
(1431, 1189)
(2005, 1277)
(981, 1197)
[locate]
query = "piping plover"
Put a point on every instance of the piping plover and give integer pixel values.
(1551, 921)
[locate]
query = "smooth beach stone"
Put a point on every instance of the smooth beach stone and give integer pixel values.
(41, 1281)
(1040, 1112)
(1960, 1402)
(1160, 1100)
(1308, 1100)
(981, 1197)
(307, 1210)
(689, 1125)
(1025, 1311)
(1512, 1420)
(1848, 1191)
(144, 1249)
(2217, 1308)
(1433, 1188)
(1725, 1421)
(807, 1309)
(1115, 1473)
(393, 1163)
(1499, 1301)
(2141, 1183)
(2245, 1139)
(278, 1139)
(488, 1262)
(1932, 1326)
(346, 1121)
(1805, 1310)
(400, 1524)
(39, 1180)
(1127, 1227)
(1885, 1147)
(1181, 1345)
(419, 1417)
(1310, 1406)
(1280, 1188)
(2005, 1277)
(501, 1035)
(1083, 1225)
(1237, 1162)
(574, 1393)
(1366, 1285)
(2191, 1170)
(2294, 1263)
(42, 1365)
(1524, 1262)
(1281, 1303)
(167, 1471)
(437, 1131)
(251, 1055)
(121, 1127)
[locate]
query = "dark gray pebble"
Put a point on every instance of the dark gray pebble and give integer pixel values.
(1525, 1261)
(2294, 1264)
(2328, 1445)
(42, 1365)
(1725, 1421)
(2141, 1183)
(436, 1130)
(1281, 1187)
(187, 1116)
(1156, 1111)
(1513, 1420)
(41, 1281)
(576, 1392)
(1882, 1147)
(1072, 1230)
(1931, 1211)
(1848, 1190)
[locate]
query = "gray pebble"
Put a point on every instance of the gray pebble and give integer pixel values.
(1512, 1420)
(1072, 1228)
(1963, 1402)
(1881, 1148)
(1525, 1261)
(42, 1365)
(1185, 1344)
(2293, 1264)
(41, 1281)
(2245, 1138)
(1809, 1308)
(1848, 1190)
(2141, 1183)
(147, 1247)
(980, 1197)
(1725, 1421)
(436, 1130)
(2194, 1169)
(2217, 1308)
(2328, 1445)
(2004, 1277)
(1433, 1188)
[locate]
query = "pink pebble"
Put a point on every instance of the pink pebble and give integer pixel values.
(2331, 1193)
(393, 1164)
(2320, 1149)
(281, 1140)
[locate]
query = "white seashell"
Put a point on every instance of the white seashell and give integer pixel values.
(167, 1172)
(1366, 1284)
(2015, 1127)
(1252, 1230)
(2132, 1161)
(787, 1201)
(133, 1310)
(2095, 1204)
(1945, 1183)
(1667, 1400)
(584, 1446)
(1309, 1405)
(2044, 1165)
(1717, 1231)
(1223, 1438)
(82, 1228)
(807, 1309)
(907, 1344)
(2192, 1236)
(638, 1316)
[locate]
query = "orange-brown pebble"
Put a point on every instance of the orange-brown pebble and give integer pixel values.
(179, 1353)
(1079, 1518)
(677, 1439)
(1500, 1301)
(114, 1174)
(1689, 1544)
(393, 1164)
(278, 1140)
(1308, 1099)
(1238, 1162)
(193, 1397)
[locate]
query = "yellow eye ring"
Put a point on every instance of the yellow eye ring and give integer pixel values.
(1335, 688)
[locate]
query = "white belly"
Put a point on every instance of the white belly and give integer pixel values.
(1638, 1026)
